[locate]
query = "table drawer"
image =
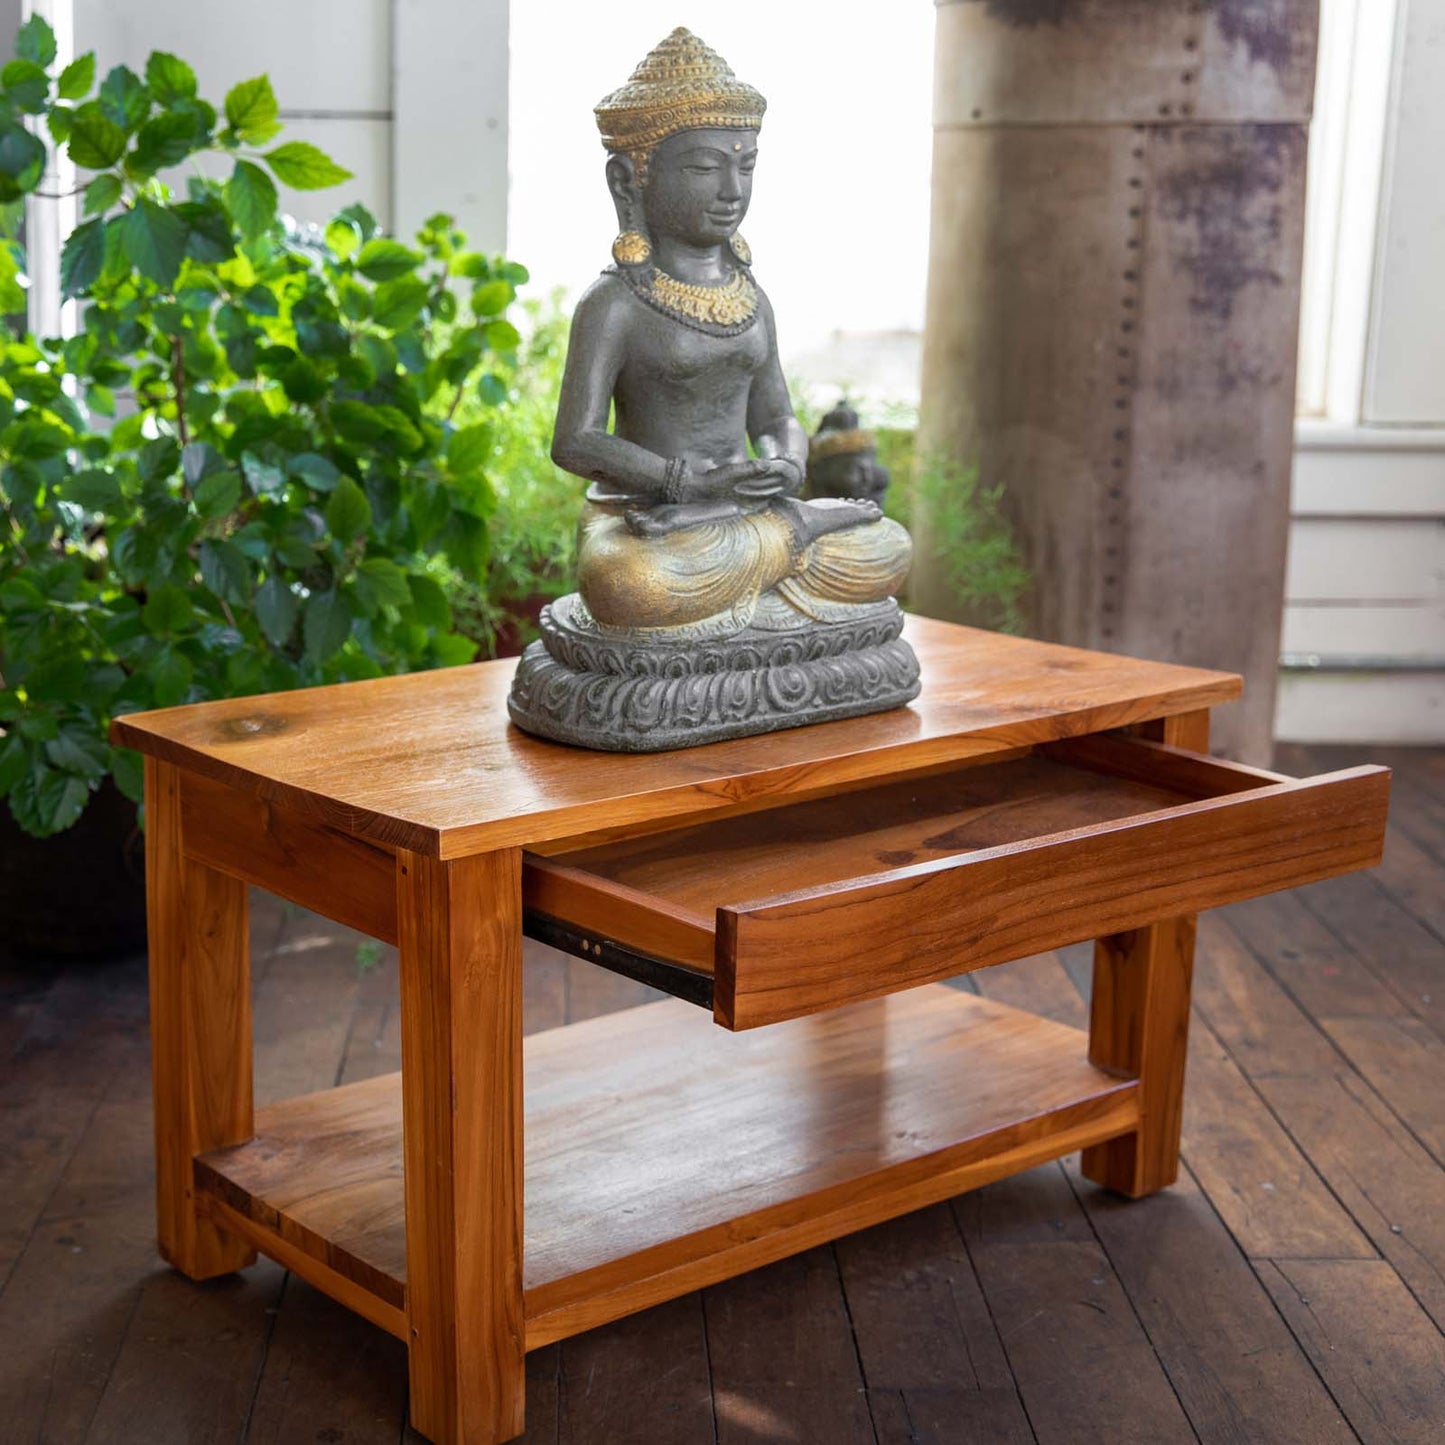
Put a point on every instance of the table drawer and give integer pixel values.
(777, 914)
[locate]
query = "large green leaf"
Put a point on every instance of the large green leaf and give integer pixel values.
(383, 259)
(467, 544)
(158, 459)
(503, 336)
(251, 199)
(265, 478)
(58, 123)
(22, 158)
(102, 193)
(77, 77)
(348, 513)
(14, 761)
(343, 238)
(46, 801)
(315, 470)
(128, 770)
(26, 84)
(429, 598)
(199, 460)
(93, 489)
(82, 257)
(451, 649)
(36, 439)
(96, 141)
(361, 218)
(167, 611)
(124, 98)
(209, 237)
(276, 610)
(217, 494)
(387, 580)
(251, 110)
(305, 168)
(326, 625)
(171, 675)
(364, 423)
(224, 569)
(80, 752)
(492, 297)
(164, 141)
(35, 41)
(470, 447)
(398, 303)
(155, 241)
(169, 78)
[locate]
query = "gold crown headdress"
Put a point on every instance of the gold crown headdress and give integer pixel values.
(680, 85)
(840, 435)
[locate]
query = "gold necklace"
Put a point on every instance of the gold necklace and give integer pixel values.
(733, 304)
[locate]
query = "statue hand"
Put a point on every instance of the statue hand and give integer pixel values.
(722, 481)
(769, 481)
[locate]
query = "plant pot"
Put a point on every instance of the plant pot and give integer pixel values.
(79, 894)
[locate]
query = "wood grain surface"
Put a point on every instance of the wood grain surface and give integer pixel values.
(200, 992)
(460, 926)
(1139, 1028)
(815, 948)
(430, 763)
(662, 1154)
(836, 899)
(341, 876)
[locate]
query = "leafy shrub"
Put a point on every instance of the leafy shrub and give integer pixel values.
(533, 529)
(264, 456)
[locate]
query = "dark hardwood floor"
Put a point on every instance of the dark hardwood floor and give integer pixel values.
(1290, 1290)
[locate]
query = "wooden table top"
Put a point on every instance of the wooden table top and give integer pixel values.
(429, 761)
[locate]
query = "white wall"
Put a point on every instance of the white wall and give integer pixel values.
(409, 95)
(1364, 626)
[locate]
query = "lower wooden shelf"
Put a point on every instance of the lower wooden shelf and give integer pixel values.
(663, 1154)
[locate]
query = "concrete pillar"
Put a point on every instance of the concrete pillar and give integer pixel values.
(1113, 302)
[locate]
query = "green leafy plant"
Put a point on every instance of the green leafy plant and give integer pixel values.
(533, 531)
(972, 540)
(265, 455)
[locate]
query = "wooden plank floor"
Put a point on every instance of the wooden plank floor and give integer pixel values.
(1291, 1288)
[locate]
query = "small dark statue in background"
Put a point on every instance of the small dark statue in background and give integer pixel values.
(713, 599)
(843, 459)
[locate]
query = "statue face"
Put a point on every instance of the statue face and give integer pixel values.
(699, 183)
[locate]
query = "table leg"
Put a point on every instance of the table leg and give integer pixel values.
(200, 1002)
(460, 928)
(1139, 1024)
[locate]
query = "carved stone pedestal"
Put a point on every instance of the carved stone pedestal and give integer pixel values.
(644, 691)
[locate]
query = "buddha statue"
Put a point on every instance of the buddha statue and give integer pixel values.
(713, 599)
(843, 459)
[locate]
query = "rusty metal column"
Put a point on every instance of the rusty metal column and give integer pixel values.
(1113, 305)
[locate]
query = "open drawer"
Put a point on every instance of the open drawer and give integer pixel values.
(812, 905)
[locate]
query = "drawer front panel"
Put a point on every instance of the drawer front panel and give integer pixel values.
(799, 954)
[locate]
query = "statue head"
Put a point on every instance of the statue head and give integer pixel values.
(843, 459)
(683, 133)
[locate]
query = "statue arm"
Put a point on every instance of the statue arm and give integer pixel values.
(581, 443)
(776, 433)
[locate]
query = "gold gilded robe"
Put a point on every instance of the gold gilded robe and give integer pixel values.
(719, 567)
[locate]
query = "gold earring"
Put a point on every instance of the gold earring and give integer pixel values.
(631, 248)
(741, 249)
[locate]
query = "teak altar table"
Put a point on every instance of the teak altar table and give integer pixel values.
(480, 1203)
